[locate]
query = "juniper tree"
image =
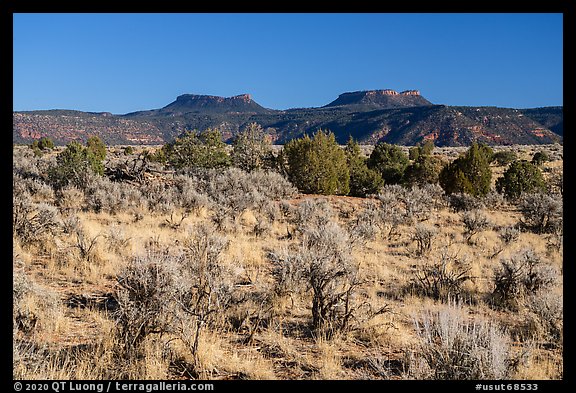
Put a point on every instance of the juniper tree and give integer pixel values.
(196, 150)
(251, 149)
(388, 160)
(521, 177)
(470, 173)
(363, 180)
(316, 165)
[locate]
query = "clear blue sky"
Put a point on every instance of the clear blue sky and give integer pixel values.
(121, 63)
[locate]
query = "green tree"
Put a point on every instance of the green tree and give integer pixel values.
(251, 149)
(96, 147)
(316, 165)
(363, 180)
(521, 177)
(469, 173)
(388, 160)
(196, 150)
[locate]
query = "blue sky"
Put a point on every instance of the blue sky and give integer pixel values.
(121, 63)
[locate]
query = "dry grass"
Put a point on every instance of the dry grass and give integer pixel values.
(262, 334)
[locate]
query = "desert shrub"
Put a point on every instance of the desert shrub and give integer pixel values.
(188, 196)
(504, 157)
(316, 165)
(424, 170)
(311, 213)
(204, 287)
(461, 202)
(196, 150)
(117, 239)
(145, 290)
(442, 279)
(232, 191)
(548, 307)
(32, 222)
(364, 225)
(36, 188)
(474, 222)
(455, 348)
(388, 160)
(419, 202)
(322, 264)
(70, 199)
(555, 181)
(26, 165)
(494, 201)
(507, 235)
(470, 173)
(363, 180)
(540, 157)
(541, 213)
(85, 243)
(521, 177)
(392, 211)
(75, 163)
(271, 185)
(522, 275)
(104, 195)
(159, 196)
(34, 307)
(251, 149)
(70, 224)
(423, 235)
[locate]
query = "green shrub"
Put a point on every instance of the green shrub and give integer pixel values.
(316, 165)
(96, 147)
(43, 143)
(521, 177)
(196, 150)
(251, 149)
(540, 157)
(388, 160)
(128, 150)
(469, 173)
(504, 157)
(75, 163)
(363, 180)
(425, 169)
